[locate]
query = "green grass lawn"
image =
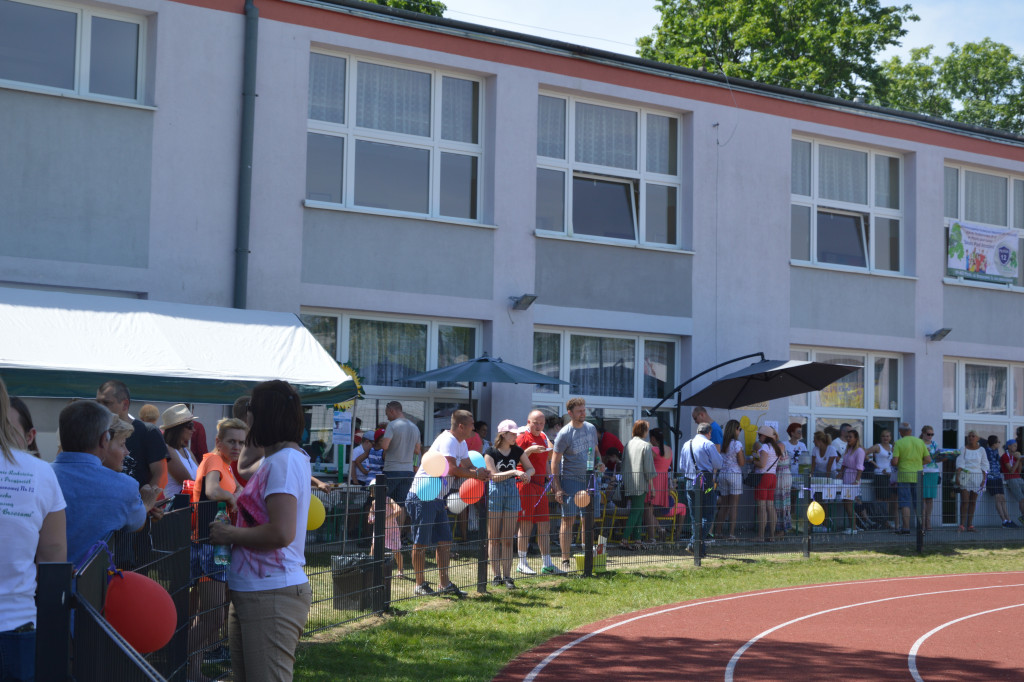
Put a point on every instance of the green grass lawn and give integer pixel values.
(472, 639)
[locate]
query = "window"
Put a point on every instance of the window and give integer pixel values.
(61, 48)
(986, 397)
(868, 399)
(389, 138)
(607, 173)
(994, 203)
(846, 207)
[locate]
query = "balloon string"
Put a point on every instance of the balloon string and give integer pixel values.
(112, 569)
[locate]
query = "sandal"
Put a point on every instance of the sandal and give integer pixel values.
(961, 529)
(970, 529)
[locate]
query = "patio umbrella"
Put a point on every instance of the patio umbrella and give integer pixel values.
(486, 369)
(767, 380)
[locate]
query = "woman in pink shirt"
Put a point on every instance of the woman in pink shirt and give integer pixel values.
(853, 467)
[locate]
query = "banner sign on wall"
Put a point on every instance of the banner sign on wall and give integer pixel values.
(982, 253)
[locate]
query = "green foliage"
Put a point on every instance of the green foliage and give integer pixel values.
(956, 242)
(977, 83)
(472, 639)
(822, 46)
(431, 7)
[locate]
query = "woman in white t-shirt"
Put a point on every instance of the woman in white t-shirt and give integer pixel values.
(884, 483)
(971, 467)
(177, 425)
(270, 594)
(730, 478)
(766, 456)
(33, 531)
(799, 465)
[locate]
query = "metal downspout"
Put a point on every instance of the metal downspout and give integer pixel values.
(244, 208)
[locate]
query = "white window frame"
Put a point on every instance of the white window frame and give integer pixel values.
(571, 168)
(1013, 213)
(437, 146)
(1008, 422)
(813, 411)
(564, 391)
(83, 50)
(815, 203)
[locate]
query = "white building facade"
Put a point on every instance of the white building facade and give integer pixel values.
(410, 175)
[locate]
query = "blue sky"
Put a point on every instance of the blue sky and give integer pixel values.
(614, 24)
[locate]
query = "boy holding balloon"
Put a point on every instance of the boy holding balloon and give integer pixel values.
(448, 457)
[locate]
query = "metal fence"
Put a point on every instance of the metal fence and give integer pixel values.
(362, 560)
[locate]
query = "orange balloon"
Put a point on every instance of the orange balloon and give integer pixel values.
(582, 498)
(435, 464)
(471, 490)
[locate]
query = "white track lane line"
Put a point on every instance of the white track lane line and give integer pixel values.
(912, 657)
(739, 652)
(532, 675)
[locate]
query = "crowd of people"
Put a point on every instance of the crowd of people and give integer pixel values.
(114, 472)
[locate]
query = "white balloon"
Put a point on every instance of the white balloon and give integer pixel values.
(455, 503)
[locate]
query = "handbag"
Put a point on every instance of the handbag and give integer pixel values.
(618, 496)
(751, 479)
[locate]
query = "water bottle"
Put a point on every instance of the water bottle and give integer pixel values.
(590, 460)
(222, 553)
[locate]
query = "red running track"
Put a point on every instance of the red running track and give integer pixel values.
(929, 628)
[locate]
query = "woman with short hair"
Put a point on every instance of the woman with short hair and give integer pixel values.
(637, 474)
(270, 593)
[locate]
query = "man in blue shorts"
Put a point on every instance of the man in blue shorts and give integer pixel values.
(909, 456)
(575, 455)
(429, 518)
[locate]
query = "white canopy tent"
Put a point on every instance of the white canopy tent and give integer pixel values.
(56, 344)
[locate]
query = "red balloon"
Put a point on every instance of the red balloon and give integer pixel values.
(471, 491)
(141, 611)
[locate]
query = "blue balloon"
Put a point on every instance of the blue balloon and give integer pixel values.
(477, 459)
(427, 488)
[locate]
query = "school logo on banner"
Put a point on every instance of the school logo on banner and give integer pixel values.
(982, 253)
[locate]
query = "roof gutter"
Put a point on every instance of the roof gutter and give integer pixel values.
(244, 205)
(548, 46)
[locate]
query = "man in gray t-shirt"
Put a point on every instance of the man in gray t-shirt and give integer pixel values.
(401, 443)
(574, 451)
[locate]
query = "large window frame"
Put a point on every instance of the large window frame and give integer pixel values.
(956, 178)
(873, 414)
(867, 222)
(987, 419)
(355, 139)
(635, 204)
(83, 78)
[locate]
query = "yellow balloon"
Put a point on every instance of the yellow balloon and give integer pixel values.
(317, 513)
(815, 513)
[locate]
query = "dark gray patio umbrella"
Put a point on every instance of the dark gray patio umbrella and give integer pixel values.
(485, 369)
(768, 380)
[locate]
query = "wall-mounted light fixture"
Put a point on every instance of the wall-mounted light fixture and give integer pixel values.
(522, 302)
(939, 335)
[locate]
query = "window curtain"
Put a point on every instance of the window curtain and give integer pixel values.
(459, 109)
(547, 354)
(887, 383)
(662, 144)
(842, 174)
(394, 100)
(326, 88)
(385, 353)
(984, 198)
(659, 368)
(454, 345)
(606, 136)
(551, 127)
(887, 181)
(1018, 204)
(984, 389)
(951, 193)
(602, 366)
(801, 168)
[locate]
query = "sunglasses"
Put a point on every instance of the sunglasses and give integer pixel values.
(929, 433)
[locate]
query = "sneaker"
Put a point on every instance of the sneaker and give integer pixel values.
(451, 589)
(552, 570)
(510, 584)
(218, 654)
(424, 590)
(1009, 524)
(526, 570)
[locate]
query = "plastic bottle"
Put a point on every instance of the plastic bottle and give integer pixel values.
(590, 460)
(222, 553)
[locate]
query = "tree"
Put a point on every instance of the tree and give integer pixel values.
(822, 46)
(978, 83)
(431, 7)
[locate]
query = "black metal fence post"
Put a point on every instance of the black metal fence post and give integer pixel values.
(588, 527)
(697, 517)
(53, 621)
(483, 532)
(380, 598)
(919, 510)
(805, 487)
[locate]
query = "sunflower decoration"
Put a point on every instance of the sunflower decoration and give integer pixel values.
(359, 381)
